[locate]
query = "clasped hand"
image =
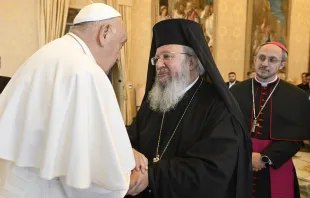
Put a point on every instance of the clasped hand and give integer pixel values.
(257, 163)
(139, 176)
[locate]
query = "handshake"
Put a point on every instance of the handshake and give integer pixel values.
(139, 176)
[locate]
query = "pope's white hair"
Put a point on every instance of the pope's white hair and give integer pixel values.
(85, 25)
(90, 24)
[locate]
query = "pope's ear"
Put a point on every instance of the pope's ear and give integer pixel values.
(104, 32)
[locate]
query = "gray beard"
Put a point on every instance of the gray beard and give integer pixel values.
(164, 97)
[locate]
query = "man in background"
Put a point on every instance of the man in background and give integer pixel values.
(277, 114)
(232, 80)
(251, 74)
(61, 130)
(304, 85)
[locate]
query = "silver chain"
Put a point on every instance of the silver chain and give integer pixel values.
(162, 121)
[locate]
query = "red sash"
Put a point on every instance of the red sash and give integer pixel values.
(281, 179)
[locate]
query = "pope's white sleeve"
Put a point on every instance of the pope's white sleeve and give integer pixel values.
(94, 191)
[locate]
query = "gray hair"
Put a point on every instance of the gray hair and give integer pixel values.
(284, 56)
(190, 51)
(85, 26)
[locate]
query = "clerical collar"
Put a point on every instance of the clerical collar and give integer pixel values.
(265, 84)
(189, 86)
(84, 47)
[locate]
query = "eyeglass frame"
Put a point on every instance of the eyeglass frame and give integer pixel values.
(268, 58)
(159, 57)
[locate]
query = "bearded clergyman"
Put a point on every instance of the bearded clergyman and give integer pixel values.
(189, 126)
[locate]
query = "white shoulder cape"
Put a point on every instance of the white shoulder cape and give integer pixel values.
(59, 113)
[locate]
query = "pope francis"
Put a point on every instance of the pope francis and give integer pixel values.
(61, 130)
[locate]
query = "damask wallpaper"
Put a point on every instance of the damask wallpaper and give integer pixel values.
(18, 33)
(230, 32)
(141, 41)
(298, 41)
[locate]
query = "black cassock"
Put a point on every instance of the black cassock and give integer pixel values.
(283, 121)
(201, 158)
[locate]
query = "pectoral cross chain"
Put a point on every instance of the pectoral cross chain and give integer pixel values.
(156, 159)
(254, 125)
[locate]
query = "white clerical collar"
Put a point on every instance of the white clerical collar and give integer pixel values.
(232, 83)
(265, 84)
(85, 49)
(189, 86)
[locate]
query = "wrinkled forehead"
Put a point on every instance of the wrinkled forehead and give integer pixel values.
(169, 48)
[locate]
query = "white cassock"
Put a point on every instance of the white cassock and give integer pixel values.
(61, 130)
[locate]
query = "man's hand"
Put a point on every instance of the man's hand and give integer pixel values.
(141, 161)
(257, 163)
(138, 182)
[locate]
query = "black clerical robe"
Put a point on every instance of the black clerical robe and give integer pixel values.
(201, 159)
(281, 123)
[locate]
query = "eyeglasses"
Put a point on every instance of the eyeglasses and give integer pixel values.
(168, 56)
(271, 59)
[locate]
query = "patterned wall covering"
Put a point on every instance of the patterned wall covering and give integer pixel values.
(18, 33)
(230, 31)
(299, 42)
(141, 43)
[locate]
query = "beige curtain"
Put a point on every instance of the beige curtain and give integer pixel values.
(127, 105)
(52, 19)
(155, 11)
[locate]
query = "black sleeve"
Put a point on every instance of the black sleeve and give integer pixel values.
(279, 152)
(132, 131)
